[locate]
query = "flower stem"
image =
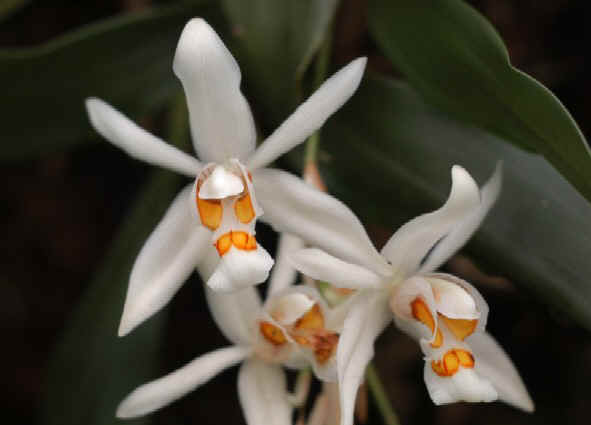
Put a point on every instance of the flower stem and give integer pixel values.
(320, 70)
(378, 392)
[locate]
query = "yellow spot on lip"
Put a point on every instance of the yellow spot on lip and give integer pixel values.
(210, 212)
(461, 328)
(421, 312)
(313, 319)
(244, 209)
(272, 333)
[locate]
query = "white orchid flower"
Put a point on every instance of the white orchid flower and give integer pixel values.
(445, 313)
(291, 329)
(222, 205)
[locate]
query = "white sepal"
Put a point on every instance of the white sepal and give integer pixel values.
(137, 142)
(220, 118)
(284, 274)
(262, 389)
(456, 239)
(493, 363)
(165, 261)
(161, 392)
(293, 206)
(310, 115)
(235, 313)
(411, 243)
(238, 269)
(367, 318)
(324, 267)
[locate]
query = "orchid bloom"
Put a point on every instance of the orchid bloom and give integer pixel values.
(446, 314)
(222, 205)
(293, 328)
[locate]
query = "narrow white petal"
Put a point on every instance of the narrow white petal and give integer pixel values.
(235, 313)
(166, 260)
(293, 206)
(262, 388)
(310, 115)
(319, 413)
(464, 385)
(238, 269)
(493, 363)
(411, 243)
(220, 118)
(324, 267)
(161, 392)
(284, 274)
(367, 318)
(456, 239)
(137, 142)
(220, 184)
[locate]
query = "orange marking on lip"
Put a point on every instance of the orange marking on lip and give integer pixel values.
(272, 333)
(313, 319)
(325, 344)
(241, 240)
(224, 243)
(421, 312)
(244, 209)
(451, 362)
(465, 357)
(210, 212)
(461, 328)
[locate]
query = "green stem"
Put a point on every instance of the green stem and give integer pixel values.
(320, 70)
(379, 395)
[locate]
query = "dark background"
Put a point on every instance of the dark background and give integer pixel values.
(59, 213)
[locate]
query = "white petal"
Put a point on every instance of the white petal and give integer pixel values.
(481, 304)
(310, 115)
(262, 389)
(411, 243)
(238, 269)
(161, 392)
(221, 122)
(220, 184)
(324, 267)
(367, 318)
(284, 274)
(464, 385)
(137, 142)
(235, 313)
(293, 206)
(493, 363)
(166, 260)
(456, 239)
(319, 413)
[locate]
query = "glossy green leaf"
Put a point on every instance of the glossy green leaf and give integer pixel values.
(390, 157)
(92, 369)
(126, 61)
(274, 41)
(457, 61)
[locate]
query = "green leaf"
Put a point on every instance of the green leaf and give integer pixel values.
(92, 369)
(126, 61)
(390, 159)
(275, 41)
(456, 60)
